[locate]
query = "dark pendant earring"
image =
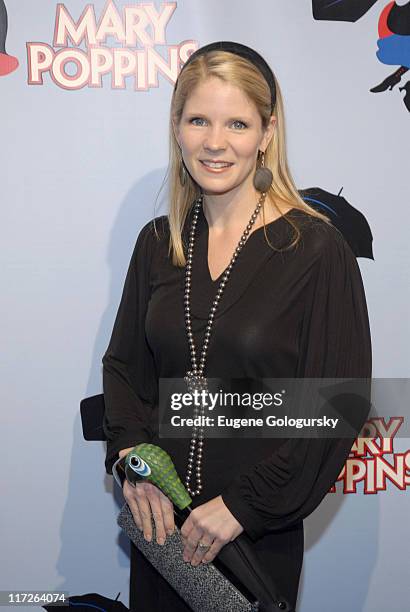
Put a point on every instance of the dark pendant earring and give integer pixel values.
(263, 177)
(182, 172)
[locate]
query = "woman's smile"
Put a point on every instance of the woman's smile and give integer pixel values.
(215, 167)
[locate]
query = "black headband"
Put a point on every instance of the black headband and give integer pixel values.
(247, 53)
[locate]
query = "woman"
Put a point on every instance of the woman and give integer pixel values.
(290, 304)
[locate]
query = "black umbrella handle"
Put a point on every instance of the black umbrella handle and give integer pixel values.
(180, 516)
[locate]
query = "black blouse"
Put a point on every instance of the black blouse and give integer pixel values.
(298, 313)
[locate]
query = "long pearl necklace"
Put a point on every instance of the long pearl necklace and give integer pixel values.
(194, 378)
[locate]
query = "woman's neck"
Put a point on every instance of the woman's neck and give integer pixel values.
(233, 215)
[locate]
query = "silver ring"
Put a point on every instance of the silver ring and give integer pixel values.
(203, 546)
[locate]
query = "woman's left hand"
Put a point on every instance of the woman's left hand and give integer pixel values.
(212, 524)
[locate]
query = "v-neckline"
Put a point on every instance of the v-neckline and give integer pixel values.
(255, 253)
(217, 280)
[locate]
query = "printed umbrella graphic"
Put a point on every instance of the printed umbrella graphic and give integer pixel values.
(347, 219)
(8, 63)
(91, 602)
(341, 10)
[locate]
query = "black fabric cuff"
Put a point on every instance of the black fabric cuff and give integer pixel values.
(242, 511)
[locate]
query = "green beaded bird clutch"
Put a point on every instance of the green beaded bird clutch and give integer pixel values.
(233, 581)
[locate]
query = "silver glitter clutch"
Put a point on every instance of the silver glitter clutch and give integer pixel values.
(205, 587)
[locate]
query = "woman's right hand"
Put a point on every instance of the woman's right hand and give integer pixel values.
(144, 500)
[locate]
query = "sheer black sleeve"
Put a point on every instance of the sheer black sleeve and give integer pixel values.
(129, 379)
(335, 342)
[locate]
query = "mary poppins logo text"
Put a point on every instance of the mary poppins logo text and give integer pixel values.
(373, 462)
(119, 43)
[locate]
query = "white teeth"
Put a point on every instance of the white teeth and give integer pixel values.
(216, 164)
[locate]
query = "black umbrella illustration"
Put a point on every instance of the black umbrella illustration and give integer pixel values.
(347, 219)
(92, 414)
(92, 602)
(342, 10)
(8, 63)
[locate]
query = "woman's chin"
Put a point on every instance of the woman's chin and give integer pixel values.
(213, 191)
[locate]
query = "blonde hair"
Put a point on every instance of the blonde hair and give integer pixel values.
(237, 71)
